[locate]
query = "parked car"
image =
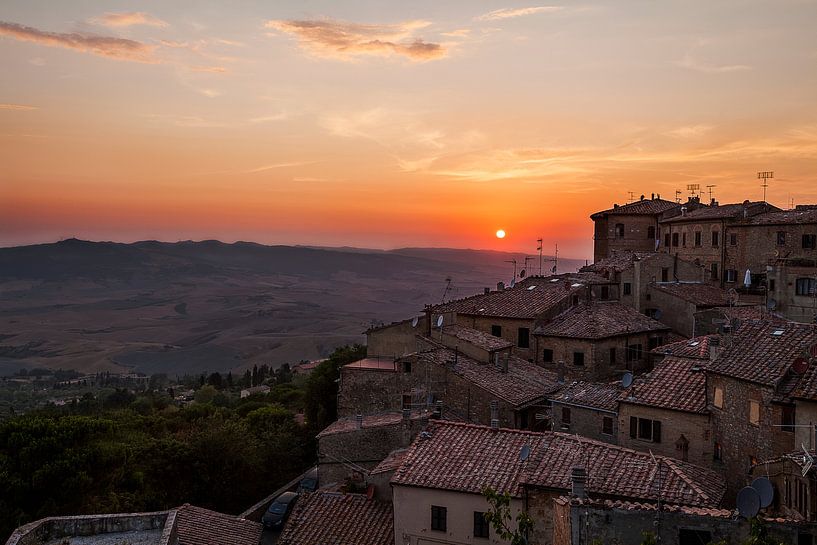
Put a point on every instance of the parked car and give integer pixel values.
(279, 510)
(310, 481)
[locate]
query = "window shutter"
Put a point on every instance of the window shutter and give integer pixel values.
(633, 426)
(656, 431)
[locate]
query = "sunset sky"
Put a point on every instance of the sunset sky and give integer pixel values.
(390, 124)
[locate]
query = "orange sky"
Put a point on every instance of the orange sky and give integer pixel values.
(395, 124)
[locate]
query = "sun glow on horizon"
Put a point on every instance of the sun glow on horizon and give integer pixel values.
(500, 233)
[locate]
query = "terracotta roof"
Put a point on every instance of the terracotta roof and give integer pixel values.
(694, 348)
(528, 299)
(602, 396)
(599, 320)
(786, 217)
(524, 382)
(373, 364)
(644, 506)
(480, 339)
(349, 423)
(675, 383)
(641, 207)
(721, 211)
(757, 353)
(331, 518)
(198, 526)
(467, 457)
(390, 462)
(617, 262)
(806, 387)
(702, 295)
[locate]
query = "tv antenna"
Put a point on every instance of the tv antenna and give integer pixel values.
(554, 259)
(514, 266)
(631, 197)
(447, 287)
(765, 176)
(678, 196)
(524, 271)
(539, 249)
(709, 188)
(693, 188)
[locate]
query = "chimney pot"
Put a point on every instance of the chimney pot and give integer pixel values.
(438, 409)
(578, 478)
(500, 286)
(494, 423)
(642, 197)
(406, 414)
(359, 420)
(487, 291)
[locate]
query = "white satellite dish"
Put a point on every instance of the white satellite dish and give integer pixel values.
(524, 453)
(440, 320)
(513, 282)
(748, 502)
(747, 278)
(415, 321)
(627, 380)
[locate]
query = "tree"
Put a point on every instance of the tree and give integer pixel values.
(499, 516)
(205, 394)
(321, 391)
(759, 534)
(215, 380)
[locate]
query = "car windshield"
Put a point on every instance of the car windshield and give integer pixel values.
(277, 508)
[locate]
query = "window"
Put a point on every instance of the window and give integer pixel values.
(733, 239)
(578, 358)
(612, 355)
(717, 452)
(651, 232)
(787, 419)
(407, 401)
(407, 366)
(547, 355)
(809, 242)
(716, 239)
(523, 338)
(754, 412)
(651, 312)
(565, 415)
(654, 342)
(682, 446)
(771, 284)
(438, 518)
(718, 397)
(664, 274)
(805, 286)
(607, 425)
(684, 240)
(634, 352)
(731, 275)
(619, 230)
(645, 429)
(627, 289)
(496, 330)
(697, 238)
(481, 528)
(675, 239)
(605, 293)
(575, 300)
(666, 240)
(781, 238)
(693, 537)
(713, 269)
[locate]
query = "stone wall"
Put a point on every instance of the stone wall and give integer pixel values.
(597, 363)
(394, 340)
(695, 428)
(800, 308)
(585, 421)
(706, 253)
(371, 391)
(757, 245)
(677, 313)
(635, 235)
(805, 417)
(46, 529)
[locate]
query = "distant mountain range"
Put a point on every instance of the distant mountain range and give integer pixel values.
(190, 307)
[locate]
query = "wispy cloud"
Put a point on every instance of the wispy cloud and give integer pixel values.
(509, 13)
(690, 131)
(105, 46)
(17, 107)
(344, 40)
(280, 116)
(277, 166)
(690, 63)
(458, 33)
(129, 18)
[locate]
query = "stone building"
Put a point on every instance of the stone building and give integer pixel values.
(598, 341)
(438, 488)
(676, 303)
(665, 412)
(371, 386)
(749, 387)
(396, 339)
(589, 409)
(632, 226)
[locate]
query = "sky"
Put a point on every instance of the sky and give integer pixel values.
(389, 124)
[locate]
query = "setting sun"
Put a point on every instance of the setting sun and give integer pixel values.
(500, 233)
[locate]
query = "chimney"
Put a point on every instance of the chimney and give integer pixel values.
(438, 409)
(500, 286)
(560, 370)
(406, 414)
(578, 478)
(713, 202)
(359, 421)
(486, 291)
(652, 196)
(642, 197)
(505, 362)
(495, 415)
(683, 211)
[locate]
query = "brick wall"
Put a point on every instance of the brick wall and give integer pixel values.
(635, 234)
(371, 391)
(757, 244)
(706, 254)
(696, 428)
(800, 308)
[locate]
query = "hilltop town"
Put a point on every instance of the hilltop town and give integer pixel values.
(666, 391)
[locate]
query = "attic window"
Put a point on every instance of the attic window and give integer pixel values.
(531, 288)
(481, 310)
(694, 343)
(777, 333)
(554, 280)
(577, 285)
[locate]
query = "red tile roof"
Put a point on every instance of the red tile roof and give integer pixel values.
(391, 462)
(756, 354)
(373, 364)
(599, 320)
(722, 211)
(528, 299)
(645, 506)
(524, 383)
(702, 295)
(786, 217)
(198, 526)
(597, 395)
(806, 387)
(467, 457)
(617, 262)
(694, 348)
(642, 207)
(349, 423)
(676, 383)
(480, 339)
(331, 518)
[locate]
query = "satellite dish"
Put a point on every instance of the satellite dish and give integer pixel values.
(440, 320)
(800, 366)
(748, 502)
(524, 454)
(415, 321)
(765, 490)
(522, 273)
(513, 282)
(627, 380)
(771, 305)
(658, 314)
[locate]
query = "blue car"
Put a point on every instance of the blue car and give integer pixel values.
(279, 510)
